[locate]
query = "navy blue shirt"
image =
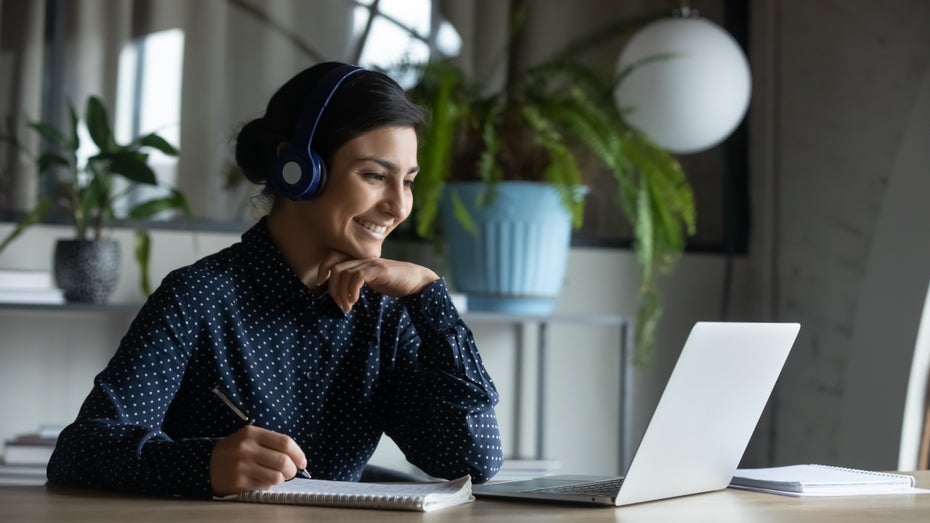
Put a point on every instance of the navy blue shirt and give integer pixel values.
(241, 319)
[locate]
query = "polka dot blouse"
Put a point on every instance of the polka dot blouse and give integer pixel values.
(240, 319)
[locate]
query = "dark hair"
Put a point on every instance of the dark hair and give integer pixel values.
(366, 100)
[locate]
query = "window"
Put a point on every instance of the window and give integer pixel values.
(390, 31)
(149, 100)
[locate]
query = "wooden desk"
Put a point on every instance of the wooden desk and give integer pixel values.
(55, 505)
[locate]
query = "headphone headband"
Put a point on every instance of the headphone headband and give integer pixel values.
(300, 173)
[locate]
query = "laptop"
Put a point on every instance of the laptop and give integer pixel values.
(700, 428)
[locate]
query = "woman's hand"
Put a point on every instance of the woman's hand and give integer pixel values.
(390, 277)
(253, 458)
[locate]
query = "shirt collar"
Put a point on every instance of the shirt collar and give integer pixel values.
(271, 272)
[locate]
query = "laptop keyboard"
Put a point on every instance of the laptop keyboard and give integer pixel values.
(603, 488)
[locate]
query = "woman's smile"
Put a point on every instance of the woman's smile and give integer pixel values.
(378, 230)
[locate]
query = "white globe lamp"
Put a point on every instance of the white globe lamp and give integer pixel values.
(689, 85)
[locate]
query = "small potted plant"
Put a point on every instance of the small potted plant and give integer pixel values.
(86, 266)
(548, 125)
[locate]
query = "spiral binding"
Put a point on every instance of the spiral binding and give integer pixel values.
(346, 500)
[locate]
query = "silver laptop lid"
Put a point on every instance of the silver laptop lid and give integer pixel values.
(708, 410)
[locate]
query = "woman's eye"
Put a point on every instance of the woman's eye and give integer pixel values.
(375, 177)
(408, 183)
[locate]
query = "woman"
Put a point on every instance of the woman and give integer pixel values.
(301, 324)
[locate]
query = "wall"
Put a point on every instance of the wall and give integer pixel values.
(847, 132)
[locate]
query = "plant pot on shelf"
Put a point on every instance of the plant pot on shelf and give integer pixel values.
(516, 258)
(87, 270)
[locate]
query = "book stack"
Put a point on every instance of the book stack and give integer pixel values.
(28, 286)
(34, 448)
(26, 456)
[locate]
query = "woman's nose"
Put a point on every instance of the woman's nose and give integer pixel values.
(396, 200)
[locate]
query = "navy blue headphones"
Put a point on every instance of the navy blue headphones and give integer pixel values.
(300, 173)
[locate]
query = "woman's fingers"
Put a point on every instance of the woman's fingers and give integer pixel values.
(279, 453)
(324, 271)
(345, 277)
(253, 458)
(390, 277)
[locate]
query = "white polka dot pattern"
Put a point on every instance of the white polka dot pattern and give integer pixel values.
(334, 382)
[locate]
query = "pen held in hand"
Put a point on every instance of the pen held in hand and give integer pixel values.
(232, 406)
(249, 421)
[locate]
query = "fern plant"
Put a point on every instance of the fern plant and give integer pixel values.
(87, 191)
(540, 127)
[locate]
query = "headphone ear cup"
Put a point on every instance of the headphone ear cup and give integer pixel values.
(289, 173)
(300, 173)
(297, 179)
(319, 175)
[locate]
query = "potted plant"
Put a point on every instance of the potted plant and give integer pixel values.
(542, 126)
(86, 266)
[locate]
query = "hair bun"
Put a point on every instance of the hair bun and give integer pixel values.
(254, 153)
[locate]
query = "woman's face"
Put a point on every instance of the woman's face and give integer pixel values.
(368, 193)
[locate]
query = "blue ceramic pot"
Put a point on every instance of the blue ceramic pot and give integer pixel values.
(515, 262)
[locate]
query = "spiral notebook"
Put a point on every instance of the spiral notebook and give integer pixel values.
(423, 497)
(822, 480)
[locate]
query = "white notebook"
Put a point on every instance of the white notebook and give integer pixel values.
(821, 480)
(424, 497)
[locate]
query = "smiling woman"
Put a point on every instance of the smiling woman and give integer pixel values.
(326, 344)
(368, 196)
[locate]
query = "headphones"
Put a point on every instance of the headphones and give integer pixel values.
(300, 173)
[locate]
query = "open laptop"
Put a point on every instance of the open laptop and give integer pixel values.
(700, 428)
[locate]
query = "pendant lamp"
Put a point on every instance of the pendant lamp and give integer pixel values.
(689, 85)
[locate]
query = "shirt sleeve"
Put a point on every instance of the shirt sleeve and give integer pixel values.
(441, 393)
(117, 442)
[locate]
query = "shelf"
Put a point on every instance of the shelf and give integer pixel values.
(22, 474)
(584, 319)
(541, 322)
(105, 308)
(475, 316)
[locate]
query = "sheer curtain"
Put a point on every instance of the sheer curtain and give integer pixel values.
(234, 54)
(21, 49)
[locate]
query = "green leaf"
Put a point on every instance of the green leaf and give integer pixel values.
(49, 134)
(75, 142)
(49, 159)
(157, 142)
(157, 205)
(648, 314)
(131, 165)
(98, 125)
(94, 204)
(10, 139)
(624, 73)
(489, 170)
(643, 227)
(31, 218)
(438, 90)
(142, 250)
(462, 215)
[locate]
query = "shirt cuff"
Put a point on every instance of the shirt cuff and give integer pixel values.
(433, 306)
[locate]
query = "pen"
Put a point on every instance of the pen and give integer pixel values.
(248, 421)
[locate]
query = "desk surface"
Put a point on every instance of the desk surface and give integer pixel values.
(41, 504)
